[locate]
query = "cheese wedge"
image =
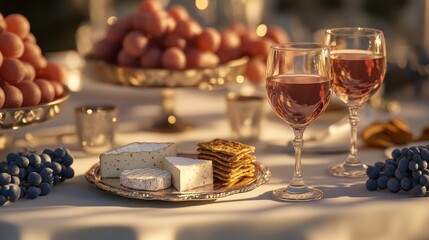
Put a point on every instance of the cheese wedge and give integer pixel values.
(189, 173)
(135, 155)
(150, 179)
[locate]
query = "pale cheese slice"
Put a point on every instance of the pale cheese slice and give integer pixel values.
(135, 155)
(150, 179)
(189, 173)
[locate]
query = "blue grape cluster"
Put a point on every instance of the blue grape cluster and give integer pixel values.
(406, 170)
(32, 175)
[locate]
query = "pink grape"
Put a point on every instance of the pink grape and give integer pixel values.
(32, 53)
(30, 72)
(208, 40)
(12, 70)
(18, 24)
(187, 28)
(11, 45)
(255, 70)
(246, 39)
(1, 59)
(173, 40)
(260, 47)
(59, 89)
(54, 72)
(105, 51)
(13, 96)
(197, 59)
(171, 24)
(47, 89)
(31, 93)
(2, 97)
(230, 40)
(178, 12)
(173, 58)
(156, 23)
(117, 31)
(40, 64)
(238, 28)
(151, 58)
(135, 43)
(126, 59)
(150, 6)
(30, 38)
(2, 23)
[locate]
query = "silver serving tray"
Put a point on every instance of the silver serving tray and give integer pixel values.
(164, 78)
(208, 192)
(14, 118)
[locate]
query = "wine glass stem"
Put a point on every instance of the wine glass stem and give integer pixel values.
(298, 142)
(167, 102)
(354, 120)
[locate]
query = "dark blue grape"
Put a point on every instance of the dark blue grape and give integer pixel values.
(34, 179)
(22, 162)
(4, 190)
(423, 165)
(45, 189)
(379, 165)
(424, 180)
(33, 192)
(403, 164)
(22, 173)
(414, 182)
(389, 170)
(63, 170)
(416, 157)
(404, 151)
(390, 162)
(23, 192)
(56, 180)
(425, 172)
(2, 200)
(56, 167)
(67, 160)
(57, 160)
(5, 178)
(14, 192)
(39, 167)
(382, 182)
(48, 152)
(413, 166)
(60, 152)
(396, 153)
(69, 173)
(425, 154)
(47, 174)
(10, 157)
(414, 149)
(34, 159)
(15, 180)
(29, 169)
(13, 170)
(45, 158)
(371, 184)
(372, 172)
(416, 174)
(393, 185)
(401, 174)
(419, 190)
(406, 184)
(3, 167)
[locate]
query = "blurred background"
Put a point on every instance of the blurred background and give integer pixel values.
(76, 24)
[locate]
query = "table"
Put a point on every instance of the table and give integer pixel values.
(77, 210)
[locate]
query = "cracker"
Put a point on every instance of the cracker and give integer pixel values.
(224, 157)
(229, 171)
(216, 161)
(226, 147)
(233, 179)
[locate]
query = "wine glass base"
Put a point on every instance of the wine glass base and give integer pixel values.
(349, 170)
(305, 195)
(170, 123)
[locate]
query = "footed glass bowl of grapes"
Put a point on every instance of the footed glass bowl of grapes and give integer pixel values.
(299, 88)
(358, 58)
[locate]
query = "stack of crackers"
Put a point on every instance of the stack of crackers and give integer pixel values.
(384, 134)
(231, 160)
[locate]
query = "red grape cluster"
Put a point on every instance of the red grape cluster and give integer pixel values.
(155, 37)
(26, 78)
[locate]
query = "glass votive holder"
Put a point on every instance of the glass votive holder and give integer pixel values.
(96, 126)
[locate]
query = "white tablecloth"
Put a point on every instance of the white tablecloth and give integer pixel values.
(77, 210)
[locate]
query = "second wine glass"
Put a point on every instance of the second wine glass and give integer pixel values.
(359, 64)
(299, 88)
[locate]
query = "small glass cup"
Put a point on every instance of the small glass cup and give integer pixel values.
(96, 126)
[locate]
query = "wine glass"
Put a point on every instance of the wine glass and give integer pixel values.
(299, 88)
(358, 66)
